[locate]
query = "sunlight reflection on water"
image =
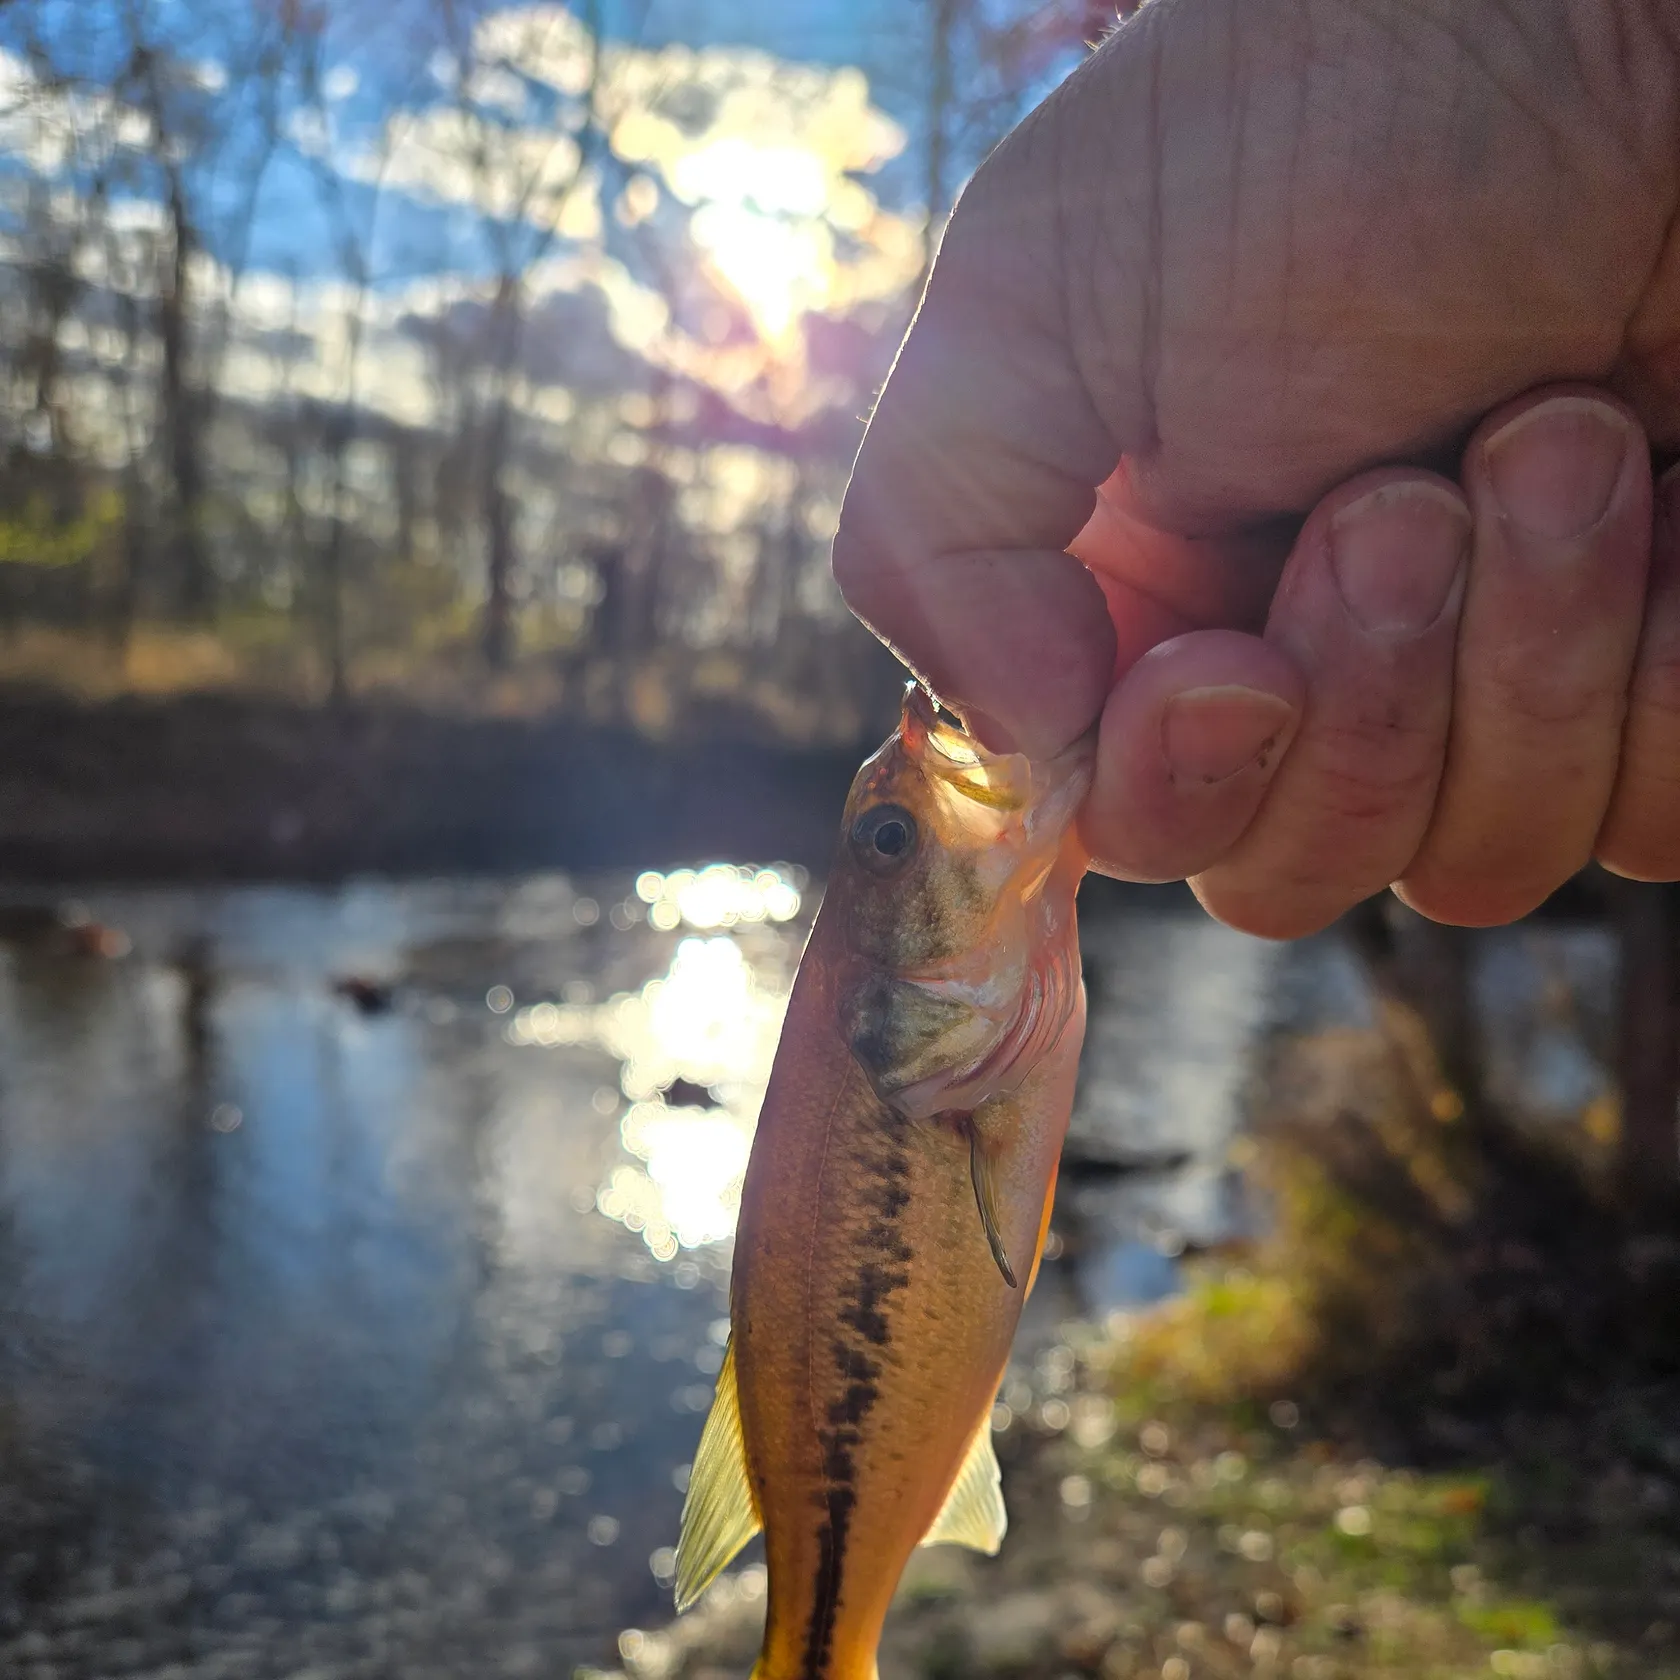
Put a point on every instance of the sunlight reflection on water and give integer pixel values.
(708, 1025)
(721, 895)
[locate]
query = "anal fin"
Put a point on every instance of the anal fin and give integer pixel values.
(973, 1513)
(985, 1196)
(719, 1514)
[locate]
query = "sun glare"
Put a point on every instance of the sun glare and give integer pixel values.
(761, 222)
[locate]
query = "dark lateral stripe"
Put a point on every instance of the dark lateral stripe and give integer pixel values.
(831, 1551)
(863, 1331)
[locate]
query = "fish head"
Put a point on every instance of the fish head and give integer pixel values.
(957, 870)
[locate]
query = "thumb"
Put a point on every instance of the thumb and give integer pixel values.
(981, 462)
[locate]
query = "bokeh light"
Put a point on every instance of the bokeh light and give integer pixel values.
(709, 1023)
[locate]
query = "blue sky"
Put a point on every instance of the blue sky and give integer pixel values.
(825, 31)
(382, 41)
(747, 193)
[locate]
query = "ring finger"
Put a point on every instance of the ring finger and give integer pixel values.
(1560, 485)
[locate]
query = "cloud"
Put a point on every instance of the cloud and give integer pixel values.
(760, 157)
(340, 83)
(747, 222)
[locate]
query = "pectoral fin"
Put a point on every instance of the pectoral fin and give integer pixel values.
(719, 1515)
(973, 1513)
(985, 1194)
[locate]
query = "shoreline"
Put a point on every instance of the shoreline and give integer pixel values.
(222, 789)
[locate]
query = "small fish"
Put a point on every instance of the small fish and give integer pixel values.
(898, 1194)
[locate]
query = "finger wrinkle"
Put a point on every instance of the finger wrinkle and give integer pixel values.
(1533, 709)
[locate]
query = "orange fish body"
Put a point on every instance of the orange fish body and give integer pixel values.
(898, 1193)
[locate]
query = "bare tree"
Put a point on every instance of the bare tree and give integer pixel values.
(125, 598)
(209, 160)
(354, 231)
(522, 192)
(941, 76)
(52, 285)
(987, 62)
(137, 359)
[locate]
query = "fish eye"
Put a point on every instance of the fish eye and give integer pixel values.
(884, 839)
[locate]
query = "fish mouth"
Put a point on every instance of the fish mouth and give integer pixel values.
(1046, 791)
(969, 1027)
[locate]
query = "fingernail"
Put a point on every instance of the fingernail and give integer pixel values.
(1555, 467)
(1208, 734)
(1397, 552)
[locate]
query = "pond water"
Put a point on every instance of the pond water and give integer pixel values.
(364, 1252)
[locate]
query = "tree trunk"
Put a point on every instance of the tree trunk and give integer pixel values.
(1427, 969)
(1647, 922)
(498, 604)
(181, 422)
(332, 613)
(938, 137)
(54, 293)
(498, 505)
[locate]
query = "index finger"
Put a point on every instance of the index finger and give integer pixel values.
(981, 463)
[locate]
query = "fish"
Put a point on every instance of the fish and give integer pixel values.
(898, 1192)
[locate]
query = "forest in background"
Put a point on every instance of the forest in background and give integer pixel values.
(498, 357)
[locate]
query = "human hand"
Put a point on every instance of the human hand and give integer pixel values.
(1403, 228)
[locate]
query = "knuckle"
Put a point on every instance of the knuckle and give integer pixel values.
(1487, 891)
(867, 570)
(1648, 780)
(1357, 806)
(1353, 798)
(1464, 902)
(1656, 689)
(1268, 909)
(1529, 696)
(1371, 771)
(1641, 836)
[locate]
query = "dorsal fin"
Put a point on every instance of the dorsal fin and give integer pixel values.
(719, 1515)
(973, 1514)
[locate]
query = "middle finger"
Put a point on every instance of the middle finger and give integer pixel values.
(1560, 484)
(1368, 611)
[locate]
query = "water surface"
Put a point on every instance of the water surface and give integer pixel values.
(363, 1253)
